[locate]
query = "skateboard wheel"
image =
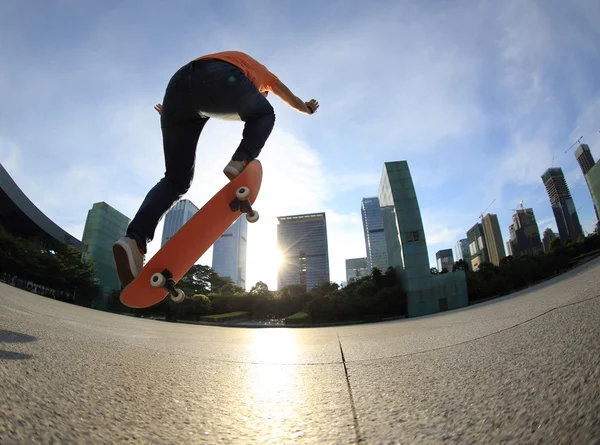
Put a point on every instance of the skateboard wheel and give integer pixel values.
(243, 193)
(180, 296)
(252, 217)
(157, 280)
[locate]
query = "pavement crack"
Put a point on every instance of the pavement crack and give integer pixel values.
(471, 340)
(352, 405)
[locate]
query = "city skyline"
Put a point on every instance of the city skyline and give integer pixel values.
(508, 88)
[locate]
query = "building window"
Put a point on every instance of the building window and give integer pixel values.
(413, 236)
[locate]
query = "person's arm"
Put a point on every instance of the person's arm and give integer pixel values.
(284, 93)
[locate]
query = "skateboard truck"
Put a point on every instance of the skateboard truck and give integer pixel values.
(166, 281)
(241, 203)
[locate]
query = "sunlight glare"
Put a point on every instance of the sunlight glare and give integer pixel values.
(275, 387)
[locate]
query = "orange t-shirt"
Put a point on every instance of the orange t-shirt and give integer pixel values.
(258, 74)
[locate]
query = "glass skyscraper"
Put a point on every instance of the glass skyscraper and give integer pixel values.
(593, 180)
(461, 251)
(356, 268)
(562, 203)
(374, 234)
(229, 252)
(302, 241)
(175, 218)
(586, 162)
(407, 248)
(103, 226)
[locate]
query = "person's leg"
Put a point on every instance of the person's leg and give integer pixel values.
(259, 118)
(181, 127)
(179, 143)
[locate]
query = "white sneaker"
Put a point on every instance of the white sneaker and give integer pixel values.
(234, 168)
(128, 258)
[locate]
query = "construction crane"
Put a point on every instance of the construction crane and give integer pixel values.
(481, 215)
(574, 144)
(520, 205)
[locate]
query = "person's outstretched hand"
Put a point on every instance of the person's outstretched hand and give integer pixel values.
(158, 107)
(312, 105)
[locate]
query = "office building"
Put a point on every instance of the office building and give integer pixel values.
(229, 252)
(461, 251)
(477, 246)
(356, 268)
(493, 238)
(302, 241)
(444, 260)
(407, 247)
(104, 225)
(508, 246)
(176, 217)
(563, 206)
(593, 180)
(374, 234)
(524, 234)
(586, 162)
(549, 235)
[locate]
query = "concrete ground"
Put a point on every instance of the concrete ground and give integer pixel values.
(521, 369)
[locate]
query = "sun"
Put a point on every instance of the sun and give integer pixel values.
(278, 259)
(265, 265)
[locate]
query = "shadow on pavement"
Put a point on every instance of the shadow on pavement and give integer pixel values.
(10, 355)
(15, 337)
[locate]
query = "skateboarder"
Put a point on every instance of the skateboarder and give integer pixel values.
(229, 85)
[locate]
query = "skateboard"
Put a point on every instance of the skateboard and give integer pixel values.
(160, 276)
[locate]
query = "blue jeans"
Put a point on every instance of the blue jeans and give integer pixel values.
(198, 91)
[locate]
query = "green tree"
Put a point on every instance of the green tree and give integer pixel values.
(292, 298)
(390, 278)
(461, 265)
(260, 288)
(555, 244)
(377, 277)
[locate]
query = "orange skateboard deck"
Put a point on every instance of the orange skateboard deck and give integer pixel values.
(190, 242)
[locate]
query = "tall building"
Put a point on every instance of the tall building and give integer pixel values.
(509, 250)
(229, 252)
(175, 218)
(356, 268)
(562, 203)
(461, 251)
(592, 178)
(20, 217)
(103, 226)
(302, 241)
(524, 234)
(407, 247)
(493, 238)
(444, 259)
(549, 235)
(586, 162)
(374, 234)
(477, 246)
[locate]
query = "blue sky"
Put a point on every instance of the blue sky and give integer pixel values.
(479, 97)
